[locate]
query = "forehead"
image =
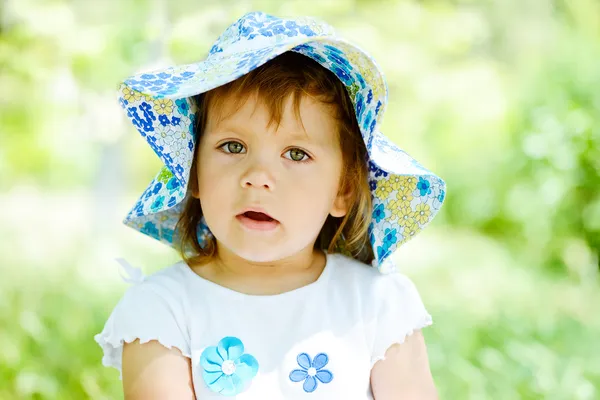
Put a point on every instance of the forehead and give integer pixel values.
(299, 115)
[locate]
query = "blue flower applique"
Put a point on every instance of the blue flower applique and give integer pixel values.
(311, 371)
(226, 369)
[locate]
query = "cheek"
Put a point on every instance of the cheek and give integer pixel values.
(314, 190)
(329, 177)
(212, 193)
(212, 182)
(209, 177)
(208, 161)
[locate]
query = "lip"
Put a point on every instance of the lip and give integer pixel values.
(256, 209)
(254, 225)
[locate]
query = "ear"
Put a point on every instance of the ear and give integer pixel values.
(341, 204)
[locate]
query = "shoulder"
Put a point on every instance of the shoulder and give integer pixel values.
(351, 273)
(163, 283)
(391, 301)
(172, 274)
(160, 295)
(349, 269)
(153, 309)
(149, 339)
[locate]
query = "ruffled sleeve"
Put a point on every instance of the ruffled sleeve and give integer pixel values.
(399, 312)
(147, 311)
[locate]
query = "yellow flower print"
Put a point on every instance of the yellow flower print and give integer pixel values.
(396, 182)
(366, 71)
(422, 213)
(130, 94)
(405, 194)
(393, 207)
(383, 189)
(371, 81)
(410, 182)
(354, 58)
(163, 106)
(410, 230)
(406, 215)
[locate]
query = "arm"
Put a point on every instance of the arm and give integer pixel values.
(405, 373)
(152, 371)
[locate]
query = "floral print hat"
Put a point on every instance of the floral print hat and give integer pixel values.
(406, 196)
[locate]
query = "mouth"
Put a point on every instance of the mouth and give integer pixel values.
(258, 216)
(257, 221)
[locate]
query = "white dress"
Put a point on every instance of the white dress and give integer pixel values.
(319, 341)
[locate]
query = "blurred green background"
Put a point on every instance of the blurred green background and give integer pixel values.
(499, 97)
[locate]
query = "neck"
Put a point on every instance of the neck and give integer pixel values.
(230, 264)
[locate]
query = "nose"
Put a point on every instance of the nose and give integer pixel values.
(258, 176)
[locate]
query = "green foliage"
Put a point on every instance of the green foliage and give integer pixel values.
(498, 97)
(546, 188)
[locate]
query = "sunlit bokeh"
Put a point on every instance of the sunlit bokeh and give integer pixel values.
(501, 98)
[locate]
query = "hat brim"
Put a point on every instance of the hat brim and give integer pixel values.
(406, 198)
(166, 93)
(160, 106)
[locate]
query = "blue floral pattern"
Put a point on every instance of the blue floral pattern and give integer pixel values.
(160, 106)
(423, 186)
(312, 371)
(225, 367)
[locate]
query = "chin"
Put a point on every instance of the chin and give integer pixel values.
(262, 248)
(256, 257)
(260, 252)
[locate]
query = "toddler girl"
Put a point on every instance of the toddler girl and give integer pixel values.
(285, 203)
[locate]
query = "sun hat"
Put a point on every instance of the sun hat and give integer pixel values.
(406, 196)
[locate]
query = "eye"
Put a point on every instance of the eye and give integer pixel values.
(232, 147)
(297, 155)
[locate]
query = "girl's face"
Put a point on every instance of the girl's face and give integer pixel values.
(292, 174)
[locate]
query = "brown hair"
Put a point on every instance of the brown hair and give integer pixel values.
(295, 74)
